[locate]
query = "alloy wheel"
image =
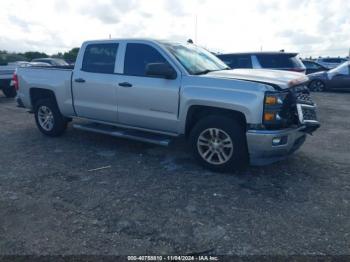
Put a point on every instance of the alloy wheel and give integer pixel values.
(215, 146)
(45, 118)
(317, 86)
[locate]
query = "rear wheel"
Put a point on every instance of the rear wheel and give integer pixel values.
(219, 143)
(317, 86)
(48, 118)
(9, 91)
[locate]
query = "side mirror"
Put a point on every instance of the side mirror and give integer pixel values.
(161, 70)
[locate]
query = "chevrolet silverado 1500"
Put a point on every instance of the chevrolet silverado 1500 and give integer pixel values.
(153, 91)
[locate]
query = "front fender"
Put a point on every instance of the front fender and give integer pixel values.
(247, 102)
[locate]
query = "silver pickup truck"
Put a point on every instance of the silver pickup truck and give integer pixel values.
(154, 91)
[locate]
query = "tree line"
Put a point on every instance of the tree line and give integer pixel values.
(7, 57)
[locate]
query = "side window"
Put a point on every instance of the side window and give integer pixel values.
(311, 65)
(100, 58)
(230, 60)
(244, 61)
(137, 56)
(237, 61)
(277, 61)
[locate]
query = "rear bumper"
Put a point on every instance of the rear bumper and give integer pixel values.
(263, 150)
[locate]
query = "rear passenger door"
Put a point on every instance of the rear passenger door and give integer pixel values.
(95, 83)
(144, 101)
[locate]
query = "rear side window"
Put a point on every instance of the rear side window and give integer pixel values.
(100, 58)
(237, 61)
(137, 56)
(279, 61)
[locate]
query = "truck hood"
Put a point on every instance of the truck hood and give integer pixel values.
(278, 79)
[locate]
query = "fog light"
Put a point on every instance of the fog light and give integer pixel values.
(279, 141)
(276, 141)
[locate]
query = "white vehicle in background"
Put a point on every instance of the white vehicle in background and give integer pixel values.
(51, 61)
(6, 73)
(38, 64)
(331, 62)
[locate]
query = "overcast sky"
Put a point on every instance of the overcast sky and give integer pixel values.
(311, 27)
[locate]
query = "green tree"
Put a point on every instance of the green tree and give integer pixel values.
(32, 55)
(58, 55)
(71, 55)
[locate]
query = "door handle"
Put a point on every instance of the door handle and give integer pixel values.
(79, 80)
(125, 84)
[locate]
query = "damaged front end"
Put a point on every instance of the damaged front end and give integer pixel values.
(290, 108)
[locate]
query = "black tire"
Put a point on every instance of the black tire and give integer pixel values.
(317, 86)
(59, 123)
(238, 159)
(9, 91)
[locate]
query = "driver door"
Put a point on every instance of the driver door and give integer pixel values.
(144, 101)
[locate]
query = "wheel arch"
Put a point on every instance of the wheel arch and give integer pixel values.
(37, 94)
(197, 112)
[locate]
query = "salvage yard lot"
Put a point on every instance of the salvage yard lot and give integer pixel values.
(155, 200)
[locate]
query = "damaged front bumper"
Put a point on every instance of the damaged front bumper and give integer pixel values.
(269, 146)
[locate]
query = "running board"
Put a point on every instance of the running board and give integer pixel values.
(156, 139)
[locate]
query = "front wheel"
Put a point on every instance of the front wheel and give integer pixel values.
(317, 86)
(219, 143)
(48, 118)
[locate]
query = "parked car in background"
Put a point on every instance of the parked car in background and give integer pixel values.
(313, 67)
(51, 61)
(153, 91)
(39, 64)
(6, 73)
(331, 62)
(336, 78)
(266, 60)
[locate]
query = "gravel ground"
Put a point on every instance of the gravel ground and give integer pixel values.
(155, 200)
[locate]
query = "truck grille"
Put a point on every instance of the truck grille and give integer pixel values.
(306, 113)
(309, 113)
(304, 98)
(306, 108)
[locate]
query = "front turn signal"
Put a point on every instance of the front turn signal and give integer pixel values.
(268, 117)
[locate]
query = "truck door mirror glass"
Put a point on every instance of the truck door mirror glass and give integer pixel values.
(162, 70)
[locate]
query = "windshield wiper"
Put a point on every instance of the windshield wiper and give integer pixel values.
(204, 72)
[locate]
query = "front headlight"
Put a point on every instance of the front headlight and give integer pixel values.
(271, 100)
(274, 104)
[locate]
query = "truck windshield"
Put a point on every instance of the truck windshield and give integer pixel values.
(196, 60)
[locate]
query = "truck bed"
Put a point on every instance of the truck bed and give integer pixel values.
(56, 78)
